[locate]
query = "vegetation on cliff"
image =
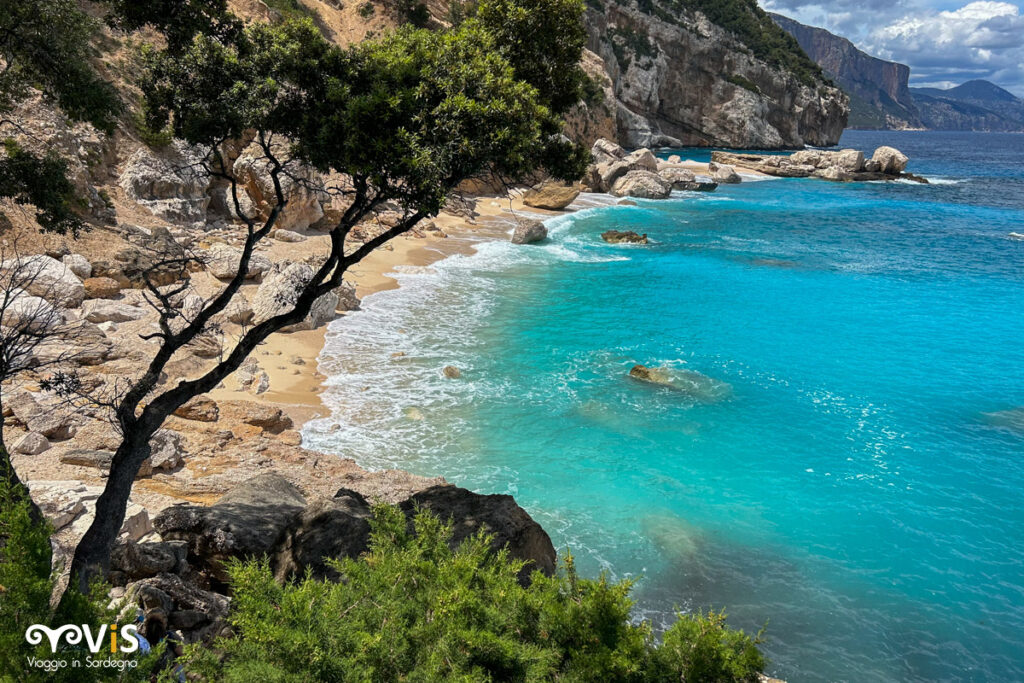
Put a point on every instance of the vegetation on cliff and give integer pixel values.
(414, 609)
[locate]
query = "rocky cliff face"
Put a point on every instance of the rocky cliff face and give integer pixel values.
(879, 96)
(679, 79)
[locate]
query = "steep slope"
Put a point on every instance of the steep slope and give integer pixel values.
(879, 96)
(974, 105)
(705, 73)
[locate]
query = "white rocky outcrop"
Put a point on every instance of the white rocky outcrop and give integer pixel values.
(171, 183)
(302, 207)
(279, 292)
(222, 262)
(45, 277)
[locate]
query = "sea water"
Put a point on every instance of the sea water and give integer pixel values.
(840, 458)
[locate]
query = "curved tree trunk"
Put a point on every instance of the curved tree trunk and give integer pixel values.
(92, 556)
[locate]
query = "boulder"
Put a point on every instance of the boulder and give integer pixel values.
(451, 372)
(329, 528)
(302, 207)
(55, 422)
(605, 151)
(642, 184)
(103, 310)
(200, 409)
(890, 160)
(222, 262)
(155, 256)
(78, 264)
(238, 311)
(721, 173)
(609, 173)
(181, 602)
(529, 231)
(849, 160)
(101, 288)
(137, 561)
(347, 299)
(32, 314)
(170, 183)
(62, 502)
(679, 177)
(266, 417)
(32, 443)
(245, 522)
(288, 236)
(642, 160)
(45, 277)
(872, 166)
(834, 173)
(551, 195)
(279, 292)
(87, 458)
(499, 515)
(619, 237)
(166, 450)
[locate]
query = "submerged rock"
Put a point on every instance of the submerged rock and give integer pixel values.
(452, 372)
(689, 382)
(627, 237)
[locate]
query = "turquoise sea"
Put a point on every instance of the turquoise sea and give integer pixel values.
(843, 458)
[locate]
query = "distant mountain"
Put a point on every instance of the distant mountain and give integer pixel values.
(879, 97)
(975, 105)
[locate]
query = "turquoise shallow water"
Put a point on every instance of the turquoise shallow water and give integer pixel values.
(843, 461)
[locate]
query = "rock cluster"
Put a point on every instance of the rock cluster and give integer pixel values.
(620, 237)
(181, 569)
(843, 165)
(642, 175)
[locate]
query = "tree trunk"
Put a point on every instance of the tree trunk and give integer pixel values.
(92, 556)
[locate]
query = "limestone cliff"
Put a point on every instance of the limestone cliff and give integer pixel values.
(680, 79)
(879, 96)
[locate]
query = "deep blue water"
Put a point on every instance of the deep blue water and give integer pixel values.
(844, 460)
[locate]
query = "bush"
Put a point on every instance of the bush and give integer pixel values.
(413, 609)
(26, 584)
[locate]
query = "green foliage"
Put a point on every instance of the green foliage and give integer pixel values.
(743, 82)
(366, 10)
(42, 182)
(414, 12)
(414, 609)
(627, 44)
(752, 26)
(461, 10)
(289, 9)
(543, 41)
(179, 20)
(413, 114)
(25, 587)
(44, 44)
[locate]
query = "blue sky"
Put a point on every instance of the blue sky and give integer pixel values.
(944, 43)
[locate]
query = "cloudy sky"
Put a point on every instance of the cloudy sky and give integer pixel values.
(944, 42)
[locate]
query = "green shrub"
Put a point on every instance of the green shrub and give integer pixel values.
(366, 10)
(743, 82)
(413, 609)
(289, 9)
(25, 588)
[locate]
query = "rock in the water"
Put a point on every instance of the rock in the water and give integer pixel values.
(642, 184)
(551, 195)
(222, 262)
(103, 310)
(45, 277)
(890, 160)
(642, 160)
(678, 176)
(834, 173)
(452, 372)
(79, 265)
(1016, 236)
(101, 288)
(288, 236)
(499, 515)
(200, 409)
(627, 236)
(528, 231)
(32, 443)
(646, 374)
(721, 173)
(170, 183)
(245, 522)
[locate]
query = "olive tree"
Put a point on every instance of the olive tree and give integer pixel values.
(398, 122)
